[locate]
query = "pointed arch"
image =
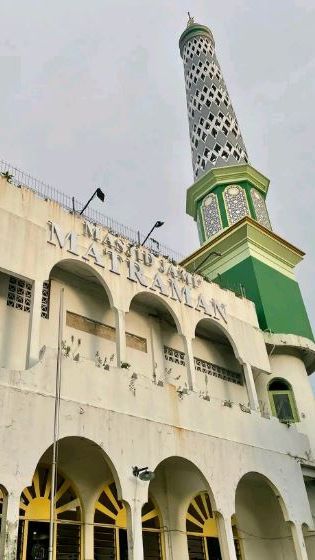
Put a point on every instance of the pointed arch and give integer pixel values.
(84, 270)
(220, 328)
(159, 303)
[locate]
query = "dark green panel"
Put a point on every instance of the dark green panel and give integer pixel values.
(278, 299)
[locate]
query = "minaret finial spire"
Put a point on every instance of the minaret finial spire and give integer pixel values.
(191, 20)
(215, 136)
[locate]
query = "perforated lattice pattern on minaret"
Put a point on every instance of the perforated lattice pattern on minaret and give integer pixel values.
(215, 136)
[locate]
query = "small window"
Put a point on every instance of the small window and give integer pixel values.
(19, 294)
(45, 300)
(282, 401)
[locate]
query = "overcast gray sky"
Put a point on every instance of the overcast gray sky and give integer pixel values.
(92, 93)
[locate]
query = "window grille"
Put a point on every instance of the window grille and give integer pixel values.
(218, 371)
(45, 299)
(175, 356)
(19, 294)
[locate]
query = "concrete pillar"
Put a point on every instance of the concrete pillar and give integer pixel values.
(251, 387)
(190, 364)
(34, 324)
(88, 535)
(157, 350)
(178, 544)
(134, 531)
(299, 543)
(11, 527)
(226, 538)
(120, 336)
(3, 521)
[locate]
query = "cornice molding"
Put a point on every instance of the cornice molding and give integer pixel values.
(251, 232)
(223, 176)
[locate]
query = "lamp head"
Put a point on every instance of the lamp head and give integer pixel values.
(158, 224)
(147, 475)
(100, 194)
(143, 473)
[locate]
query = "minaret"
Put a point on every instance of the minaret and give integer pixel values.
(215, 136)
(238, 249)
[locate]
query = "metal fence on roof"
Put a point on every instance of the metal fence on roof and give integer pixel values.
(45, 191)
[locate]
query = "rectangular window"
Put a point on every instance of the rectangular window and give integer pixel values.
(103, 331)
(19, 294)
(136, 342)
(89, 326)
(283, 406)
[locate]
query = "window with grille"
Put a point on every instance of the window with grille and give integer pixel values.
(218, 371)
(19, 294)
(45, 300)
(175, 356)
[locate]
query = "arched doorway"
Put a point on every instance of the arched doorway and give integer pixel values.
(259, 512)
(202, 532)
(110, 528)
(33, 538)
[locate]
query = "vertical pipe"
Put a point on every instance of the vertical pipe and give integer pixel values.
(56, 433)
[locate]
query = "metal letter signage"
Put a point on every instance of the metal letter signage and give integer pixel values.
(117, 255)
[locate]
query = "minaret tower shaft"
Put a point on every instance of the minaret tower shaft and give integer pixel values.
(238, 249)
(215, 135)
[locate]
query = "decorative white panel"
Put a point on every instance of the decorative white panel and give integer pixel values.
(211, 215)
(260, 208)
(235, 203)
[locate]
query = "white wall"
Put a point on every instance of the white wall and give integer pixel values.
(83, 298)
(221, 355)
(13, 330)
(292, 369)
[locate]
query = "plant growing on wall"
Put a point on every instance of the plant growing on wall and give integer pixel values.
(169, 378)
(181, 391)
(125, 365)
(7, 176)
(71, 350)
(156, 381)
(132, 383)
(245, 408)
(105, 362)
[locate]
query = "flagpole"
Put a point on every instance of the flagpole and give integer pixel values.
(52, 523)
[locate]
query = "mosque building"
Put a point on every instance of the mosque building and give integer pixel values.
(154, 407)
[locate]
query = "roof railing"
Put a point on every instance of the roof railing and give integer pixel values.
(47, 192)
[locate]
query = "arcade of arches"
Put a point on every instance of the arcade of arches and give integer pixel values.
(110, 524)
(179, 520)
